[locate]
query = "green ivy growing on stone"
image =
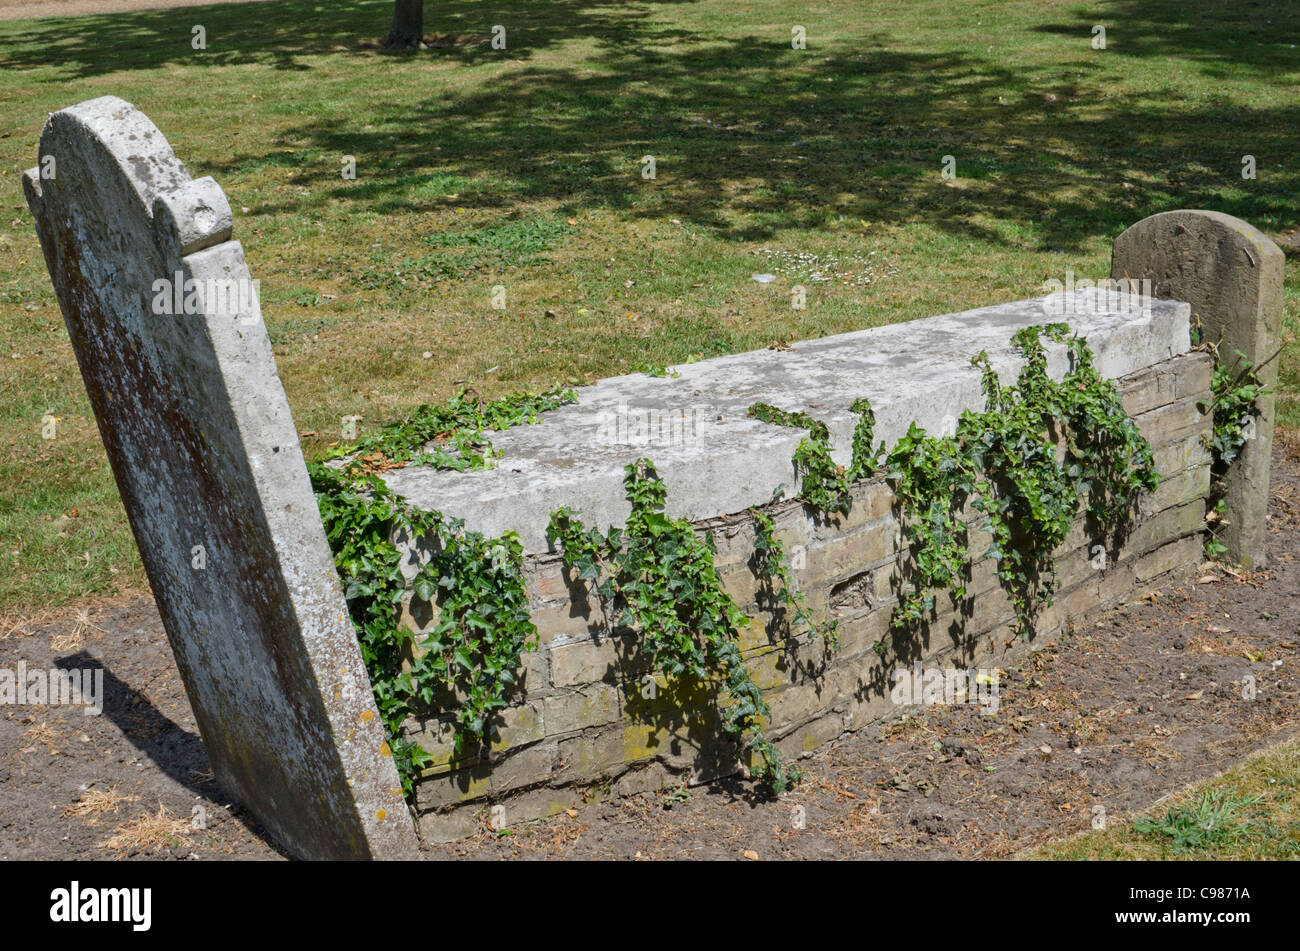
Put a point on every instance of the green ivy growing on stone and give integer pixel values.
(930, 479)
(1004, 462)
(775, 577)
(660, 576)
(469, 663)
(453, 435)
(1234, 399)
(864, 460)
(823, 484)
(655, 369)
(657, 577)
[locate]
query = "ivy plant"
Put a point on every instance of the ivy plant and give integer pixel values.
(657, 578)
(1004, 461)
(1235, 390)
(452, 435)
(465, 667)
(823, 484)
(776, 579)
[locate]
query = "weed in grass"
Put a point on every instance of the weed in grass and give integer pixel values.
(1211, 821)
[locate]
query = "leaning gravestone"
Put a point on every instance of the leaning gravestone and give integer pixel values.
(167, 330)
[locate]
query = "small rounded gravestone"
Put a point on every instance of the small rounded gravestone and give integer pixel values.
(1231, 274)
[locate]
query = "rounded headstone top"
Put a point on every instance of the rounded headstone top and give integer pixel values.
(1181, 224)
(106, 154)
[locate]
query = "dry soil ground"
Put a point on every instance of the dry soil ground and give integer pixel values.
(30, 9)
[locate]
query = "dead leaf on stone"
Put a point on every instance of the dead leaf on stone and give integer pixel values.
(378, 462)
(751, 855)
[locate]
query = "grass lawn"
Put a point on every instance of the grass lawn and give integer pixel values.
(1251, 812)
(522, 167)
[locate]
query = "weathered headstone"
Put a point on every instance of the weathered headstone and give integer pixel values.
(1231, 274)
(167, 330)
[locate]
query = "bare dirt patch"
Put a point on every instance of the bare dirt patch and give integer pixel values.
(34, 9)
(133, 782)
(1118, 715)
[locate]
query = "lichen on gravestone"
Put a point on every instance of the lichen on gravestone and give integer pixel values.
(164, 319)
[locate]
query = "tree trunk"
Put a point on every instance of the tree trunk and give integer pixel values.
(408, 25)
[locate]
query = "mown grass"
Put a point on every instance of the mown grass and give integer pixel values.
(478, 167)
(1250, 812)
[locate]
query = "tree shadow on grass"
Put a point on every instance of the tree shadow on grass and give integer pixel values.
(749, 137)
(759, 154)
(1229, 39)
(287, 33)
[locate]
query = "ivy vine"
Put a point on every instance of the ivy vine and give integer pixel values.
(823, 484)
(776, 581)
(931, 480)
(1004, 461)
(468, 664)
(657, 577)
(1235, 390)
(452, 435)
